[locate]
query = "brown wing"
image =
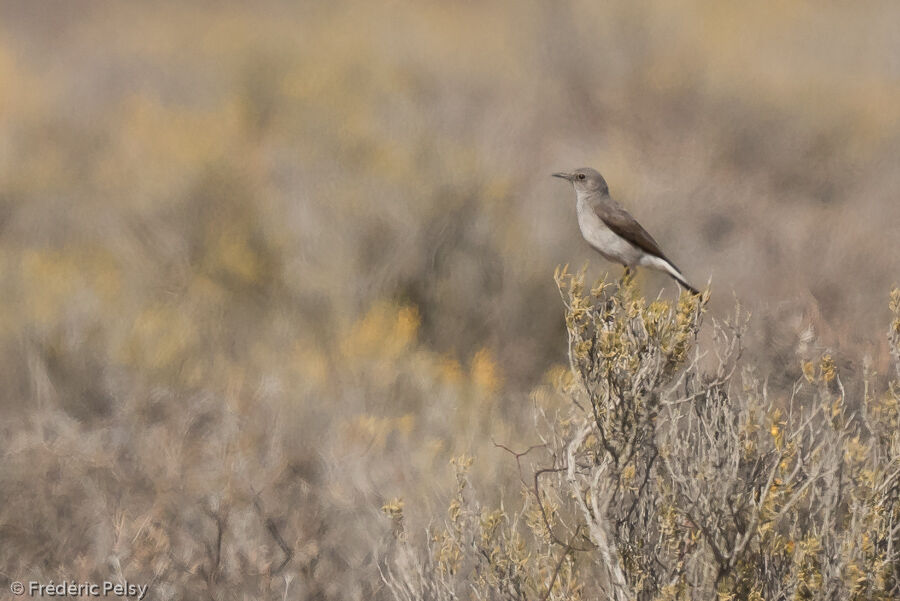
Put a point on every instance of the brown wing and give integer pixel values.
(622, 223)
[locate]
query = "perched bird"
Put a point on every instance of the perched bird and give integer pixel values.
(612, 231)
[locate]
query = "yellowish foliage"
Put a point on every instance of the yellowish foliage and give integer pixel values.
(384, 332)
(485, 372)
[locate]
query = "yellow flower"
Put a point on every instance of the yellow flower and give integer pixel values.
(809, 370)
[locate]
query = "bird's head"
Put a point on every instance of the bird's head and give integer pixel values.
(585, 180)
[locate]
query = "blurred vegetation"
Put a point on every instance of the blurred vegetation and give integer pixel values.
(268, 267)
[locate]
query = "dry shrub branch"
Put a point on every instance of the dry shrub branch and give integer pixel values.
(675, 472)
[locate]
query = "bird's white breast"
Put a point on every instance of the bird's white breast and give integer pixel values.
(609, 244)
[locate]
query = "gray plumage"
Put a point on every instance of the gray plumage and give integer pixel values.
(612, 231)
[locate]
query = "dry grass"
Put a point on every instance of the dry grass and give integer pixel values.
(267, 268)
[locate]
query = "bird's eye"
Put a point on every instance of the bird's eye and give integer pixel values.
(581, 176)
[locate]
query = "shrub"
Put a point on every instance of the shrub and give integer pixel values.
(676, 473)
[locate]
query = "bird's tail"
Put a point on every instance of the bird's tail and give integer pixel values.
(673, 271)
(684, 283)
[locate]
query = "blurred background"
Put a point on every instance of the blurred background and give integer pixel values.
(267, 266)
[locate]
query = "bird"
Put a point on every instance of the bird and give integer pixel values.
(612, 231)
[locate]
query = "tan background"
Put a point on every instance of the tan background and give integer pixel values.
(307, 248)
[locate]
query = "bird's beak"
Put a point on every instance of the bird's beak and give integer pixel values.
(563, 175)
